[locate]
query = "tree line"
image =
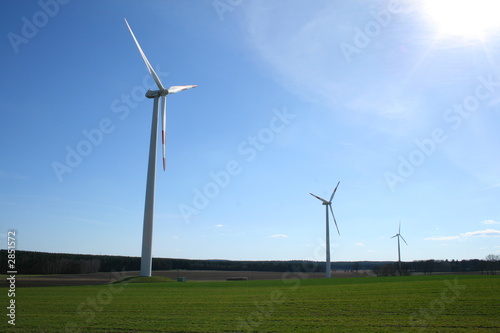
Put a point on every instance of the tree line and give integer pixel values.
(31, 262)
(490, 265)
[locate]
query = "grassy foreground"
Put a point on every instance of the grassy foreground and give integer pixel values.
(398, 304)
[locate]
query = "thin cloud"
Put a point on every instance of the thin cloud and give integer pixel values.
(302, 56)
(465, 235)
(359, 244)
(483, 233)
(219, 225)
(490, 222)
(441, 238)
(493, 186)
(494, 101)
(11, 176)
(279, 236)
(78, 219)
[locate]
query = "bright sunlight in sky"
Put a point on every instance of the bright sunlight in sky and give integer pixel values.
(466, 18)
(398, 100)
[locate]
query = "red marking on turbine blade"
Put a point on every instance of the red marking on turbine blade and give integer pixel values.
(163, 137)
(164, 163)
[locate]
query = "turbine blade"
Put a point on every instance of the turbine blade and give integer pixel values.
(403, 239)
(335, 190)
(176, 89)
(163, 127)
(331, 210)
(395, 236)
(324, 201)
(148, 65)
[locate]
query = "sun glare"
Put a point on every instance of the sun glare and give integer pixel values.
(464, 18)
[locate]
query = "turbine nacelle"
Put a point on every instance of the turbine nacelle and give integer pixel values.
(156, 93)
(323, 200)
(399, 234)
(172, 90)
(328, 204)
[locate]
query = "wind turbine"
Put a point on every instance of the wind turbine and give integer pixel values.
(398, 235)
(160, 94)
(328, 204)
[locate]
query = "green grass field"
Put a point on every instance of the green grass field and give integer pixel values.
(462, 303)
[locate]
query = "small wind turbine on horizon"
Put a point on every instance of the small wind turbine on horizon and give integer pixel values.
(328, 204)
(398, 235)
(160, 94)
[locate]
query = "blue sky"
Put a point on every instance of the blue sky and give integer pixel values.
(388, 98)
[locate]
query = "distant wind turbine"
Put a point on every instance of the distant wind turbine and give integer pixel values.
(328, 204)
(398, 235)
(161, 93)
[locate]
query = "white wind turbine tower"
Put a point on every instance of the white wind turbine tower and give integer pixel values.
(398, 235)
(328, 204)
(161, 93)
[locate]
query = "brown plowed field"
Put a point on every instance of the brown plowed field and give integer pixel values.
(104, 278)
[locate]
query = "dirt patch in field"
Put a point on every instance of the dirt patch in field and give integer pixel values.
(104, 278)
